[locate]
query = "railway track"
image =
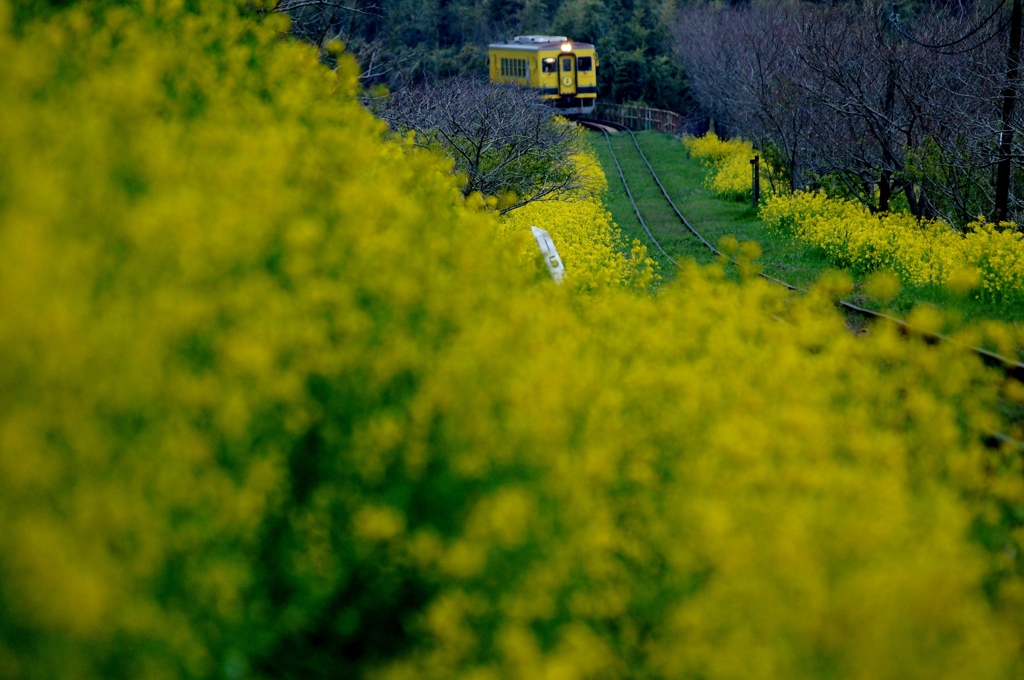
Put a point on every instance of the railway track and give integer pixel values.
(1010, 367)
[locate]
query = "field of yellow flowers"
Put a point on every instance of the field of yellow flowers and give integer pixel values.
(920, 253)
(588, 241)
(728, 163)
(986, 259)
(276, 402)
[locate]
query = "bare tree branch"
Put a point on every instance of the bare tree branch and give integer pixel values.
(838, 93)
(503, 139)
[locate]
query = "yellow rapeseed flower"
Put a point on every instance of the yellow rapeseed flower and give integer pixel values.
(275, 401)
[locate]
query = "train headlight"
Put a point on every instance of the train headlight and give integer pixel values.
(567, 47)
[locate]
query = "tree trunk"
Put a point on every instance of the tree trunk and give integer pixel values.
(884, 192)
(1001, 211)
(915, 205)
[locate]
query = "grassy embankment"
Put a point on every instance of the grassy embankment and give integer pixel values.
(715, 217)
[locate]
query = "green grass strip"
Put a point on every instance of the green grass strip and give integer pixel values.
(782, 256)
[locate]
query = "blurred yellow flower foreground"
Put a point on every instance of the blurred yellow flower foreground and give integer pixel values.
(274, 403)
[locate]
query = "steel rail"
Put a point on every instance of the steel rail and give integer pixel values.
(629, 194)
(682, 218)
(1010, 368)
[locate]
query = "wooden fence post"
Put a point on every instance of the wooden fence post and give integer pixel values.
(755, 166)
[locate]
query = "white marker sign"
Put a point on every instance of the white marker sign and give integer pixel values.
(547, 249)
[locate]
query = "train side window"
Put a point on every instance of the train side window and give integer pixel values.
(583, 63)
(548, 65)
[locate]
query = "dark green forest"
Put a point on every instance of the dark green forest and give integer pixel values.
(404, 42)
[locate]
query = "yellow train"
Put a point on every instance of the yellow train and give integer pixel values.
(562, 71)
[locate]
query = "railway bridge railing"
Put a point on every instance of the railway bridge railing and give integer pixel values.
(641, 118)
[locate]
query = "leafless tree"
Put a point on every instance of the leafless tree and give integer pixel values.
(321, 22)
(503, 139)
(854, 95)
(744, 70)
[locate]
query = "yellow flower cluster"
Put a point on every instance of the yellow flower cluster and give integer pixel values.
(919, 252)
(275, 402)
(588, 241)
(728, 163)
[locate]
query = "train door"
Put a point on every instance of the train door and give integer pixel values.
(567, 74)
